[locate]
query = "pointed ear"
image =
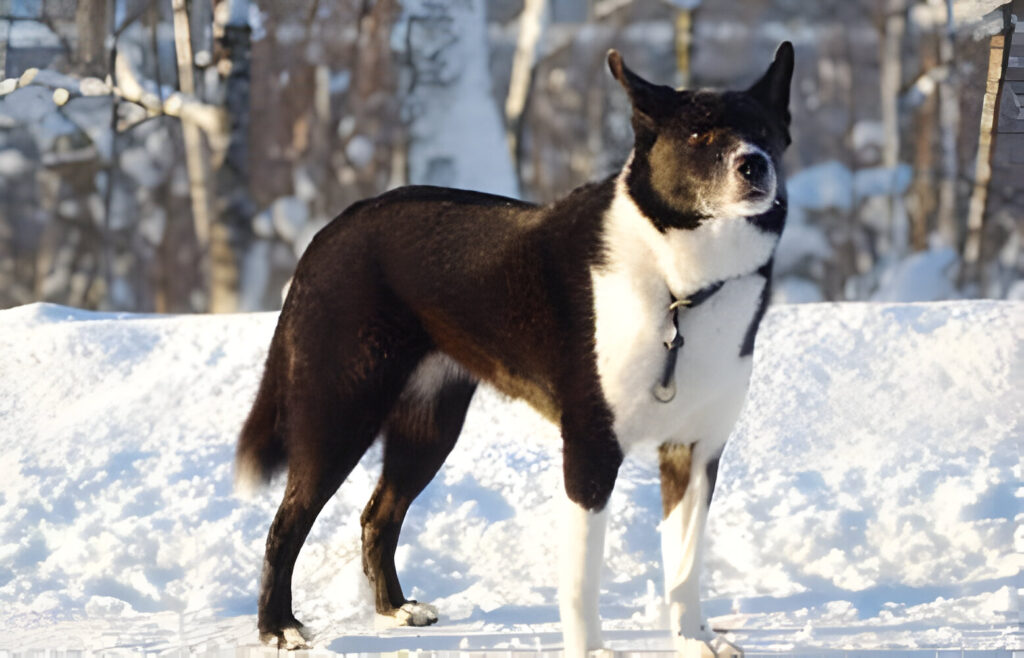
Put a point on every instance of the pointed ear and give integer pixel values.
(644, 96)
(773, 87)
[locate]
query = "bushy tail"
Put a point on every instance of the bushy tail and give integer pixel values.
(261, 451)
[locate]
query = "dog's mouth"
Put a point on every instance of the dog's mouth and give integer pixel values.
(756, 194)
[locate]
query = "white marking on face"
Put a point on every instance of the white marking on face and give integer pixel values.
(737, 187)
(720, 248)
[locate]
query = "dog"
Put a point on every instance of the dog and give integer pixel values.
(625, 312)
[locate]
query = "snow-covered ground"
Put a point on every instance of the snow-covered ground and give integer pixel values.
(870, 497)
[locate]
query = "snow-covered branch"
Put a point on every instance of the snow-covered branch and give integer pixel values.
(210, 118)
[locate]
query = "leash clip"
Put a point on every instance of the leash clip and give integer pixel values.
(665, 388)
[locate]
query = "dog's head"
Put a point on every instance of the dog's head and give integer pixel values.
(701, 154)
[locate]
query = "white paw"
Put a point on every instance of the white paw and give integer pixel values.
(416, 614)
(412, 613)
(290, 639)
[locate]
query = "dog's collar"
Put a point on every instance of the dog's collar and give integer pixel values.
(665, 388)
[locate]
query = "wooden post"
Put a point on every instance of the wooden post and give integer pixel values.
(684, 41)
(949, 128)
(997, 55)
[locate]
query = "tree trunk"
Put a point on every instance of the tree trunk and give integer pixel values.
(531, 28)
(221, 271)
(922, 199)
(91, 26)
(949, 127)
(891, 77)
(456, 134)
(234, 204)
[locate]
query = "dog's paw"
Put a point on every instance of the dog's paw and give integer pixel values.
(412, 613)
(416, 614)
(292, 638)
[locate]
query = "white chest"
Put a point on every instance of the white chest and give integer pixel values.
(711, 377)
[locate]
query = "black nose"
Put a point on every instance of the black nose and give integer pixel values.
(753, 167)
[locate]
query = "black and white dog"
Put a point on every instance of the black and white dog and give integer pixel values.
(625, 312)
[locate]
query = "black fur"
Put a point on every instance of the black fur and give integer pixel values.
(765, 270)
(712, 472)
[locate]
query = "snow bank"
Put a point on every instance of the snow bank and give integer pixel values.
(868, 499)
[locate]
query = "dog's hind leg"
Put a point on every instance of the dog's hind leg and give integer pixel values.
(419, 433)
(687, 482)
(330, 421)
(316, 468)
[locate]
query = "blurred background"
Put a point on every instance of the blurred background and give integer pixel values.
(179, 155)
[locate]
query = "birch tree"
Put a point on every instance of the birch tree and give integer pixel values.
(456, 133)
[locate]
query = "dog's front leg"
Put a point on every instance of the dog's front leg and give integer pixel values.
(687, 481)
(590, 462)
(579, 577)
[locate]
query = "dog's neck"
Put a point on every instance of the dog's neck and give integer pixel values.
(686, 260)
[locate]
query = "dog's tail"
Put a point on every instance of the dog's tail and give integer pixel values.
(261, 450)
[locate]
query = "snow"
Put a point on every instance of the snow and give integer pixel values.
(831, 184)
(289, 215)
(967, 15)
(869, 497)
(13, 163)
(925, 276)
(359, 150)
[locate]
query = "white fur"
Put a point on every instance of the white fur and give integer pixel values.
(291, 639)
(682, 539)
(579, 578)
(248, 478)
(631, 299)
(433, 372)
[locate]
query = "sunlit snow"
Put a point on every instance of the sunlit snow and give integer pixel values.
(868, 498)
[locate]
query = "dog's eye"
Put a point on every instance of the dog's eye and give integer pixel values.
(702, 139)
